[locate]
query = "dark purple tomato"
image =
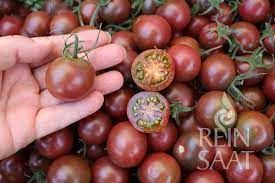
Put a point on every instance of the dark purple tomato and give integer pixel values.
(37, 24)
(269, 168)
(149, 7)
(194, 151)
(246, 34)
(224, 15)
(70, 79)
(253, 132)
(125, 39)
(196, 24)
(219, 113)
(217, 72)
(95, 129)
(126, 146)
(188, 124)
(187, 62)
(95, 151)
(116, 11)
(180, 93)
(115, 104)
(185, 40)
(269, 42)
(205, 176)
(37, 162)
(153, 70)
(177, 13)
(159, 167)
(87, 9)
(164, 139)
(223, 154)
(10, 25)
(254, 11)
(256, 96)
(209, 38)
(270, 113)
(69, 169)
(53, 6)
(148, 33)
(125, 66)
(56, 144)
(248, 169)
(12, 169)
(6, 6)
(148, 112)
(104, 171)
(269, 86)
(63, 22)
(22, 11)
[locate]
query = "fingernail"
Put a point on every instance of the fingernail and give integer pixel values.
(109, 36)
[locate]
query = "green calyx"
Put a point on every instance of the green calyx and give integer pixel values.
(34, 5)
(176, 108)
(38, 176)
(269, 150)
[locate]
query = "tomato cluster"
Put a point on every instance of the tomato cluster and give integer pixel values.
(197, 105)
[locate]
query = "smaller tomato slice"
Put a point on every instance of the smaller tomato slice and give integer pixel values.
(148, 111)
(153, 70)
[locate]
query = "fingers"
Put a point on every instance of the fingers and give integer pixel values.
(101, 58)
(56, 117)
(40, 50)
(109, 86)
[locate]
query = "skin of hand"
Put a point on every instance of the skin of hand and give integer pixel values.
(27, 110)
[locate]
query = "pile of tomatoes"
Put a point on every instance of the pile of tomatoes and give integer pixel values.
(197, 105)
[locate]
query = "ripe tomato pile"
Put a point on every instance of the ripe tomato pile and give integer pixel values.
(198, 101)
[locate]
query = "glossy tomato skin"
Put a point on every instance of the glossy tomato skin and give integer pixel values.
(182, 93)
(159, 167)
(116, 11)
(103, 170)
(246, 34)
(125, 66)
(269, 42)
(217, 72)
(95, 151)
(187, 62)
(256, 96)
(209, 38)
(186, 40)
(223, 151)
(205, 176)
(269, 168)
(191, 153)
(87, 9)
(224, 15)
(37, 24)
(69, 169)
(177, 13)
(196, 24)
(95, 129)
(115, 104)
(148, 33)
(254, 11)
(270, 113)
(255, 127)
(250, 171)
(220, 110)
(125, 39)
(63, 22)
(56, 144)
(188, 124)
(12, 169)
(126, 146)
(38, 162)
(53, 6)
(153, 70)
(269, 86)
(149, 7)
(10, 25)
(164, 139)
(74, 82)
(148, 112)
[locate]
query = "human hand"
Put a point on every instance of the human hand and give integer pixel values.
(27, 110)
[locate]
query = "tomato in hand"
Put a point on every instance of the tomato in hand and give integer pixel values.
(148, 111)
(148, 33)
(153, 70)
(70, 79)
(69, 169)
(159, 167)
(126, 146)
(205, 176)
(10, 25)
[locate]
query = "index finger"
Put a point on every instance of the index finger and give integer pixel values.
(40, 50)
